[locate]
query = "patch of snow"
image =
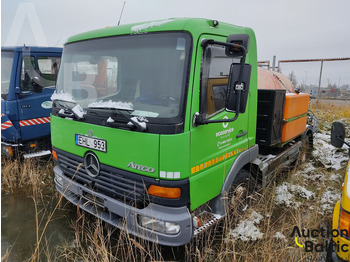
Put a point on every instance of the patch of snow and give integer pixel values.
(328, 199)
(78, 111)
(283, 196)
(246, 230)
(112, 104)
(62, 96)
(110, 120)
(302, 191)
(139, 120)
(326, 153)
(314, 177)
(146, 26)
(309, 167)
(279, 236)
(334, 177)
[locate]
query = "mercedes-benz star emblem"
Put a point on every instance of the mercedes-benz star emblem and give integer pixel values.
(91, 164)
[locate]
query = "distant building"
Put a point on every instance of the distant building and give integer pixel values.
(345, 93)
(330, 92)
(312, 90)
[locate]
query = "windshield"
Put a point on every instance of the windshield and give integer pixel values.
(6, 69)
(145, 74)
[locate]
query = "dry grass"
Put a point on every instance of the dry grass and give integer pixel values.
(29, 176)
(331, 110)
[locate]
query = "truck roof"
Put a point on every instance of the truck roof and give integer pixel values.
(193, 25)
(32, 48)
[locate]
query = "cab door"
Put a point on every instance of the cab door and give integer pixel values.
(214, 146)
(34, 104)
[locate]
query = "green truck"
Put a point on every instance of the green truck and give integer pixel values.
(153, 123)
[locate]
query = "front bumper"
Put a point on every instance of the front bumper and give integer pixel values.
(125, 217)
(9, 149)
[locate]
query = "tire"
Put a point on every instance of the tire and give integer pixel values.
(239, 195)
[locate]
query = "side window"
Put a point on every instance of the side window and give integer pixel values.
(214, 80)
(48, 68)
(27, 73)
(46, 71)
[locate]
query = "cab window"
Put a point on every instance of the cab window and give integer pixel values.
(45, 70)
(214, 80)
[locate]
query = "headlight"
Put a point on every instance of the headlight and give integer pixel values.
(344, 224)
(158, 225)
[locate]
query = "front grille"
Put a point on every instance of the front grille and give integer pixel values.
(116, 183)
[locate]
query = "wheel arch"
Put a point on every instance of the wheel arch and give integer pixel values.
(241, 162)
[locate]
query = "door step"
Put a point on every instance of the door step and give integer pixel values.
(37, 154)
(204, 221)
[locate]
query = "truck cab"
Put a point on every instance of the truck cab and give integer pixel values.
(28, 77)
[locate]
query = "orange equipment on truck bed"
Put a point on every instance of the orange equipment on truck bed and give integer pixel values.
(296, 106)
(275, 126)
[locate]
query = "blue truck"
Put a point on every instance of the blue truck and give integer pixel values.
(28, 77)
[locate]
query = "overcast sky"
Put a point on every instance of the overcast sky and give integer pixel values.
(298, 29)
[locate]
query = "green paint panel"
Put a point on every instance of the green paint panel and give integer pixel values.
(123, 146)
(174, 156)
(207, 184)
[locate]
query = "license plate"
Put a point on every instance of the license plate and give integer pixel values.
(91, 142)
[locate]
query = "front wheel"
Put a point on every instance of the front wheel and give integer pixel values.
(241, 191)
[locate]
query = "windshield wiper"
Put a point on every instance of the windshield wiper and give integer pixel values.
(75, 112)
(138, 122)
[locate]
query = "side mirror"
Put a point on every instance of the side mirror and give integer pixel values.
(234, 87)
(337, 134)
(37, 87)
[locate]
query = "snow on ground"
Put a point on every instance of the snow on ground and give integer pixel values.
(328, 199)
(279, 236)
(286, 194)
(302, 192)
(284, 197)
(324, 154)
(327, 154)
(246, 230)
(315, 186)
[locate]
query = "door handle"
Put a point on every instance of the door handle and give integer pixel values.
(241, 134)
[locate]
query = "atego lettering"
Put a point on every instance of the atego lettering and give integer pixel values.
(141, 168)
